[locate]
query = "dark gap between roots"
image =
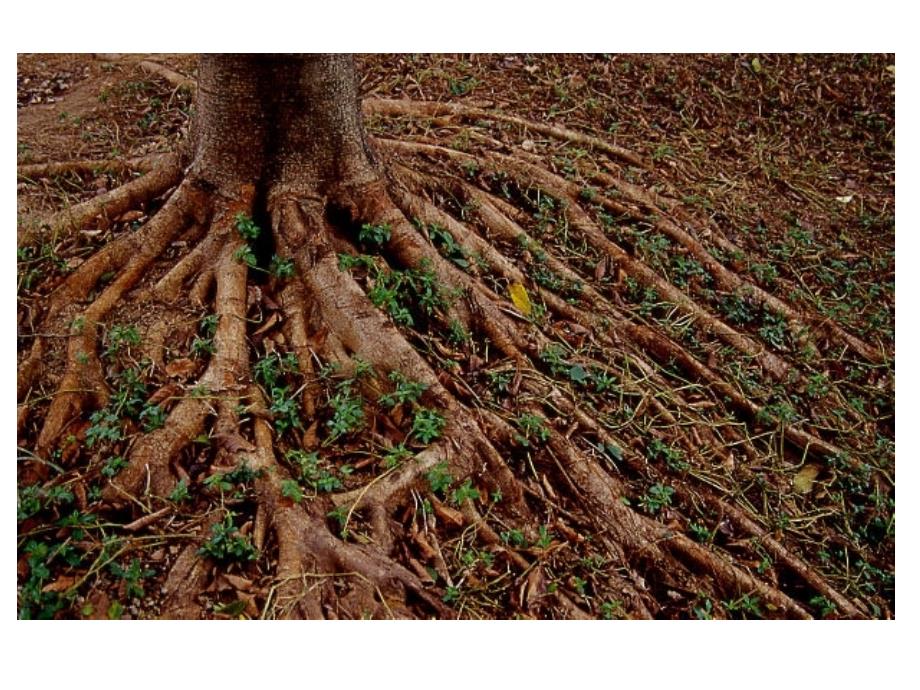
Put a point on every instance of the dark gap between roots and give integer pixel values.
(262, 246)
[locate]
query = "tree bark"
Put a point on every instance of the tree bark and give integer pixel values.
(289, 125)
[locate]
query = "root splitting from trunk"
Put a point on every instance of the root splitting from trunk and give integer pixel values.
(388, 428)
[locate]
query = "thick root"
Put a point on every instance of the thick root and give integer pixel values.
(35, 171)
(111, 204)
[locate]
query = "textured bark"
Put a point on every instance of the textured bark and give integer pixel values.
(288, 125)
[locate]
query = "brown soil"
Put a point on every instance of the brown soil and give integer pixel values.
(650, 297)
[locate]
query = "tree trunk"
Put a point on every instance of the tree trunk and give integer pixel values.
(287, 125)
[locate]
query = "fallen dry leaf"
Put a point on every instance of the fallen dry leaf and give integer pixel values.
(269, 323)
(520, 298)
(62, 584)
(806, 478)
(181, 368)
(130, 216)
(170, 390)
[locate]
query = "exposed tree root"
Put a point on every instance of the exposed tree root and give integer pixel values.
(428, 109)
(83, 372)
(726, 278)
(148, 466)
(34, 171)
(180, 81)
(111, 204)
(502, 493)
(646, 339)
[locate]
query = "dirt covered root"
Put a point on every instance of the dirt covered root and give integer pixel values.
(467, 389)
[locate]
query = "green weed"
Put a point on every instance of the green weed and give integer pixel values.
(227, 544)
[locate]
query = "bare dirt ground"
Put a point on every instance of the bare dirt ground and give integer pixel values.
(785, 165)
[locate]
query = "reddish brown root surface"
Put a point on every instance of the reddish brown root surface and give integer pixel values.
(388, 428)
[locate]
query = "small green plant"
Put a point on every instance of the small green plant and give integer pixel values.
(553, 356)
(405, 391)
(611, 609)
(202, 347)
(113, 466)
(818, 386)
(456, 333)
(745, 605)
(203, 344)
(314, 473)
(132, 575)
(236, 480)
(281, 268)
(451, 594)
(227, 544)
(350, 261)
(499, 381)
(374, 234)
(704, 611)
(662, 151)
(30, 500)
(657, 497)
(579, 375)
(34, 602)
(427, 290)
(544, 537)
(673, 457)
(470, 168)
(269, 369)
(824, 605)
(532, 429)
(246, 226)
(439, 479)
(340, 515)
(347, 413)
(180, 492)
(130, 393)
(737, 309)
(464, 492)
(447, 245)
(765, 273)
(396, 455)
(653, 246)
(427, 424)
(684, 269)
(285, 410)
(291, 489)
(774, 330)
(699, 533)
(245, 255)
(105, 427)
(115, 611)
(780, 412)
(118, 337)
(152, 417)
(603, 381)
(462, 85)
(362, 368)
(514, 537)
(208, 325)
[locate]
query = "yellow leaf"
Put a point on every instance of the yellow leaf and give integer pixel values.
(755, 64)
(805, 478)
(520, 298)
